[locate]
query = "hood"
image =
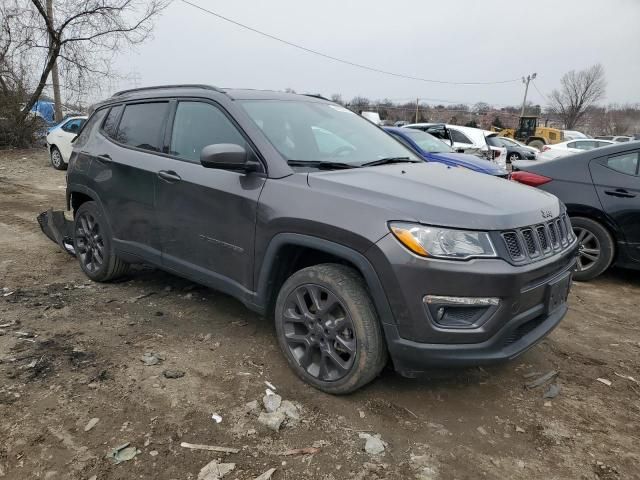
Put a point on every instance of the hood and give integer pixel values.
(470, 161)
(435, 194)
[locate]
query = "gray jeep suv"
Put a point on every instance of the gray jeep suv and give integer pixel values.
(306, 212)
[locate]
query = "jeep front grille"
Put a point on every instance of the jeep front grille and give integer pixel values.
(539, 241)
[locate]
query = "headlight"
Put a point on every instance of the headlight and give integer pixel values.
(443, 242)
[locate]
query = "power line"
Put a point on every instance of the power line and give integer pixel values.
(336, 59)
(539, 92)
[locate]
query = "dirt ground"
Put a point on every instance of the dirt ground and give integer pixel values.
(70, 351)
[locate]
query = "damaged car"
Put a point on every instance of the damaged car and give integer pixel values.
(359, 251)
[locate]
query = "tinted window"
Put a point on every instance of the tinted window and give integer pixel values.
(571, 145)
(142, 126)
(625, 163)
(602, 144)
(197, 125)
(111, 123)
(94, 121)
(459, 137)
(622, 139)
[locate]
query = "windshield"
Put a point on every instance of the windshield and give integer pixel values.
(319, 132)
(426, 141)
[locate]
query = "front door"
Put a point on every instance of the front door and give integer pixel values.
(206, 216)
(617, 181)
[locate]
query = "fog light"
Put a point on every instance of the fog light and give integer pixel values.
(460, 301)
(460, 312)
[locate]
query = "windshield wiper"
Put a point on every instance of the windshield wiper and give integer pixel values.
(389, 160)
(322, 165)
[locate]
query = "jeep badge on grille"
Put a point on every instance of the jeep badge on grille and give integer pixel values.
(546, 213)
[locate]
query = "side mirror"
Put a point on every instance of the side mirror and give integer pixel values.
(224, 156)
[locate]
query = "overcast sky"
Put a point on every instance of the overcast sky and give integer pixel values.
(453, 40)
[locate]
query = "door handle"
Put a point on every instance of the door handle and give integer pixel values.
(620, 192)
(104, 158)
(169, 176)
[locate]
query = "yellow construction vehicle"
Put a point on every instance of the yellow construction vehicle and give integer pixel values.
(530, 133)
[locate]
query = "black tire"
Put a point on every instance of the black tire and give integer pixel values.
(57, 161)
(596, 250)
(348, 319)
(93, 246)
(538, 144)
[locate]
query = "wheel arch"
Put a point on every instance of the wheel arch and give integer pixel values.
(576, 210)
(290, 252)
(79, 194)
(603, 219)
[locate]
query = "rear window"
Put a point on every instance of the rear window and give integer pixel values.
(90, 127)
(111, 123)
(142, 125)
(625, 163)
(459, 137)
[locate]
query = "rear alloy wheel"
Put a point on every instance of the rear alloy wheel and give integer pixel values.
(57, 161)
(595, 248)
(92, 244)
(328, 329)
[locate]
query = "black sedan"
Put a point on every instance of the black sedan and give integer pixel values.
(601, 189)
(515, 151)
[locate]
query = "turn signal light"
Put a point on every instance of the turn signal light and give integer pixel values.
(529, 178)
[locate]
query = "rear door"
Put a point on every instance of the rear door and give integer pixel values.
(123, 169)
(617, 181)
(207, 216)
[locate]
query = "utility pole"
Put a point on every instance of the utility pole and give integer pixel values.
(526, 90)
(55, 79)
(417, 103)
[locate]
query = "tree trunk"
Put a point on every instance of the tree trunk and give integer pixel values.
(55, 79)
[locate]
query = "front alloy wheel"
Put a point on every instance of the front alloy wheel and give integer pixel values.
(57, 161)
(328, 328)
(319, 332)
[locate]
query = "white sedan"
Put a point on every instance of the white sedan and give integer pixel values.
(549, 152)
(59, 141)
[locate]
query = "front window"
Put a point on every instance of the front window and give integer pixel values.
(319, 132)
(427, 142)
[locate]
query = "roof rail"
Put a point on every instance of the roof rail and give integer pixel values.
(316, 95)
(161, 87)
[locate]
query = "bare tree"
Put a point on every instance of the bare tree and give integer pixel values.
(578, 91)
(481, 107)
(337, 98)
(83, 37)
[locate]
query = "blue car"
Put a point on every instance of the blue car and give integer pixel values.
(433, 150)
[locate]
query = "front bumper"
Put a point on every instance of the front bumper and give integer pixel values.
(416, 341)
